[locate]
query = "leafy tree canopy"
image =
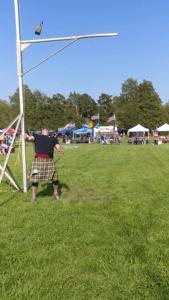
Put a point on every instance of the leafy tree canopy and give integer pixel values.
(137, 103)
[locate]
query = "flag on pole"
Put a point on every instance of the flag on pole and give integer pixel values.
(85, 125)
(69, 125)
(95, 117)
(112, 118)
(90, 125)
(97, 125)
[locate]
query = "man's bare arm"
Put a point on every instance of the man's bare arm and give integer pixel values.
(59, 148)
(29, 138)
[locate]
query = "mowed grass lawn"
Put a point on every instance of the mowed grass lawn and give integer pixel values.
(108, 236)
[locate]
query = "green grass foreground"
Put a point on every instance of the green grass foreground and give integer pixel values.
(108, 236)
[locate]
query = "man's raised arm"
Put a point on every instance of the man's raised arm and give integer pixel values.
(29, 138)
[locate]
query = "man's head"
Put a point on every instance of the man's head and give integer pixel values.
(44, 132)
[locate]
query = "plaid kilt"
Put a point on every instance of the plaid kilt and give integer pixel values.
(46, 170)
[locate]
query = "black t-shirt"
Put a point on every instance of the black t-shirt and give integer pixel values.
(44, 144)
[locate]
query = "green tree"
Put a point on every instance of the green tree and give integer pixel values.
(82, 108)
(14, 105)
(74, 99)
(71, 115)
(150, 105)
(30, 103)
(4, 114)
(165, 109)
(34, 104)
(87, 106)
(105, 107)
(126, 105)
(40, 110)
(55, 111)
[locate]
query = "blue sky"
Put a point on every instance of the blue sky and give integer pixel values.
(92, 66)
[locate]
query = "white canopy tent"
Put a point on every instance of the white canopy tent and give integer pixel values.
(138, 128)
(164, 127)
(103, 130)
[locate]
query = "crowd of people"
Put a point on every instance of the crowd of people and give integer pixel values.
(5, 141)
(138, 141)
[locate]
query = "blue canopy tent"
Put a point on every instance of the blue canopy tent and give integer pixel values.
(65, 131)
(83, 131)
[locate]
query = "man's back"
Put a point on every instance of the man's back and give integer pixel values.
(45, 144)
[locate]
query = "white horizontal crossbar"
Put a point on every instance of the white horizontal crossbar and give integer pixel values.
(70, 38)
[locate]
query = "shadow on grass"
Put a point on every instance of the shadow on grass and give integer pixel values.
(48, 189)
(6, 201)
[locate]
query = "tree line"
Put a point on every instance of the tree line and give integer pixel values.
(137, 103)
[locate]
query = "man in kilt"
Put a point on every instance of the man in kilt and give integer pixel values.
(43, 167)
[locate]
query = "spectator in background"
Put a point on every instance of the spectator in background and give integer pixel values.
(2, 141)
(119, 140)
(9, 140)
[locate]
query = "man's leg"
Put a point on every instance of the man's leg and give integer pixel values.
(55, 189)
(34, 190)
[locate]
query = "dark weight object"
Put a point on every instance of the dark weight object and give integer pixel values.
(38, 30)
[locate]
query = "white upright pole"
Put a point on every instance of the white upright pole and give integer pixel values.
(21, 45)
(20, 79)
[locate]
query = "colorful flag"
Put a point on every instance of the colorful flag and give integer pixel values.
(69, 125)
(90, 125)
(85, 125)
(95, 117)
(97, 125)
(112, 118)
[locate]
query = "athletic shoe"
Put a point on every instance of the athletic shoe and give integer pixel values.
(33, 200)
(57, 197)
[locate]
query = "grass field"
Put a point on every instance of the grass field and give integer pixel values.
(108, 236)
